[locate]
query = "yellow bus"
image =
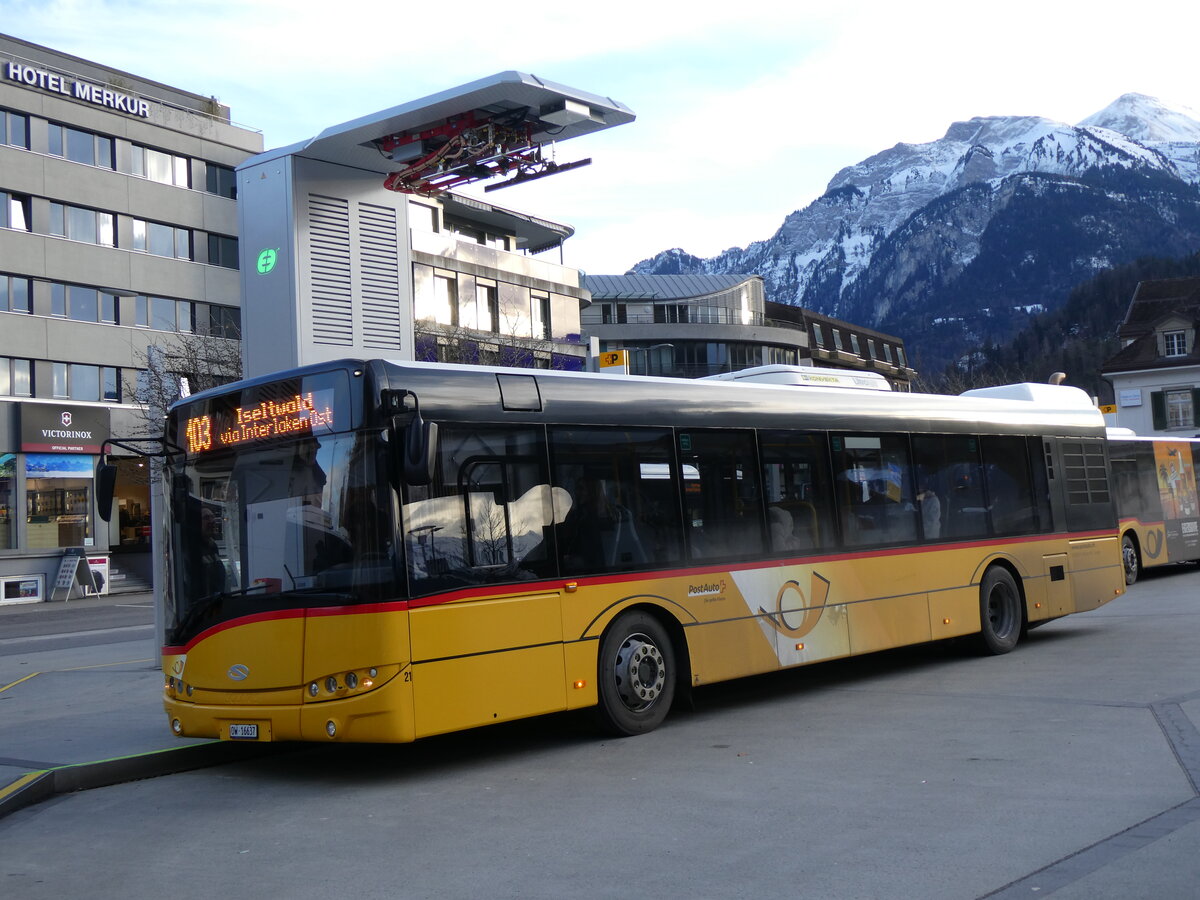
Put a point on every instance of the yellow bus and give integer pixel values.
(1154, 482)
(381, 551)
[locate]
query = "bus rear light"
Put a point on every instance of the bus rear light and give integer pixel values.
(800, 646)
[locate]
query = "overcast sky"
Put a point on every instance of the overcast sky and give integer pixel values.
(745, 110)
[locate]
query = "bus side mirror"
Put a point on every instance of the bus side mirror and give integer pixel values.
(106, 483)
(420, 450)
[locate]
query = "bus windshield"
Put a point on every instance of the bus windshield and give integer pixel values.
(297, 523)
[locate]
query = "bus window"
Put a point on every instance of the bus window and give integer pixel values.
(619, 506)
(1009, 490)
(488, 513)
(949, 486)
(796, 490)
(723, 513)
(874, 490)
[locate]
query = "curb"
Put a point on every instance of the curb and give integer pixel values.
(34, 787)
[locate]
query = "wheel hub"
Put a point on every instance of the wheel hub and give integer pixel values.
(641, 672)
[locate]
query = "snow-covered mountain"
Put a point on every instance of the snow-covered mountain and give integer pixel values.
(898, 239)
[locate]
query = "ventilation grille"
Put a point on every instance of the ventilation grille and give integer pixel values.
(329, 253)
(380, 271)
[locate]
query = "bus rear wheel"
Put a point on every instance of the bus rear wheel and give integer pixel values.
(1000, 613)
(637, 675)
(1129, 559)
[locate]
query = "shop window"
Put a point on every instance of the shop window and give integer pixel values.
(8, 482)
(58, 500)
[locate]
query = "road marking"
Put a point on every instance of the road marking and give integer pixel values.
(18, 681)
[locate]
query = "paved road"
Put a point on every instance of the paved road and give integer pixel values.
(1070, 766)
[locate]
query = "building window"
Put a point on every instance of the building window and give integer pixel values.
(900, 356)
(1180, 409)
(14, 129)
(78, 223)
(220, 180)
(16, 378)
(887, 352)
(422, 217)
(818, 335)
(76, 381)
(158, 239)
(540, 311)
(165, 168)
(83, 304)
(222, 251)
(837, 339)
(80, 146)
(488, 304)
(854, 344)
(14, 294)
(165, 314)
(14, 211)
(225, 322)
(1175, 343)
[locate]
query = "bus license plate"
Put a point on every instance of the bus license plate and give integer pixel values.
(243, 732)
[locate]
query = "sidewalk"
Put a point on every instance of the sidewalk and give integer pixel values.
(81, 701)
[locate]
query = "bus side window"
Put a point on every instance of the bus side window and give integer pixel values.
(722, 503)
(616, 506)
(796, 489)
(949, 486)
(875, 496)
(487, 516)
(1009, 490)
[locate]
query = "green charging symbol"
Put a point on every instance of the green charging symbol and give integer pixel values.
(267, 260)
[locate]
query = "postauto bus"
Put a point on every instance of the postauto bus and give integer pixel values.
(380, 551)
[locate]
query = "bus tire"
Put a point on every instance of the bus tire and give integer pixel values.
(1129, 559)
(1001, 615)
(637, 675)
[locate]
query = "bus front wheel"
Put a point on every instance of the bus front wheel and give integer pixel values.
(1129, 559)
(1000, 615)
(637, 675)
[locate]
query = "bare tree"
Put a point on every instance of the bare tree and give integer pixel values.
(509, 347)
(178, 365)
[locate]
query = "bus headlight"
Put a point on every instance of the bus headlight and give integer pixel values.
(313, 689)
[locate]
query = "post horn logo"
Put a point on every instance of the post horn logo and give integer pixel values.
(788, 608)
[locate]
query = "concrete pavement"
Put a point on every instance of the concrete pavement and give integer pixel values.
(80, 701)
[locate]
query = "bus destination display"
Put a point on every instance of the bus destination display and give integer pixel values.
(280, 412)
